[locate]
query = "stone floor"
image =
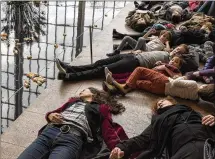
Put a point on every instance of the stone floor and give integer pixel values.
(137, 116)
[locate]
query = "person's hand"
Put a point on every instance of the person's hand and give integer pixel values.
(55, 118)
(196, 73)
(176, 76)
(116, 153)
(208, 120)
(152, 31)
(167, 42)
(158, 63)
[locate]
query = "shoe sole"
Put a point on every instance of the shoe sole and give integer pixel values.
(60, 68)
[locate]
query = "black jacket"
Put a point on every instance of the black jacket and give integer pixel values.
(160, 133)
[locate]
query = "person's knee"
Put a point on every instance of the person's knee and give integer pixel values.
(127, 38)
(141, 39)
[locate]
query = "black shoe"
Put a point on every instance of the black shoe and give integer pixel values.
(136, 4)
(60, 66)
(61, 76)
(116, 52)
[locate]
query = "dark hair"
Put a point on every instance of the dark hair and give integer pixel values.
(166, 32)
(207, 93)
(154, 106)
(102, 97)
(176, 18)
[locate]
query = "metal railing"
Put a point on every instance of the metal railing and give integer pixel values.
(61, 32)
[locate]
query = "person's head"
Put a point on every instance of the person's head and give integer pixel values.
(176, 61)
(165, 36)
(92, 94)
(176, 17)
(181, 49)
(207, 92)
(163, 102)
(207, 27)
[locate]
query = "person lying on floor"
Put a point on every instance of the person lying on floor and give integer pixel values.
(82, 123)
(207, 73)
(170, 69)
(198, 35)
(117, 64)
(184, 132)
(158, 83)
(156, 43)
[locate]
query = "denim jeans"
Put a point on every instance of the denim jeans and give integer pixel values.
(53, 144)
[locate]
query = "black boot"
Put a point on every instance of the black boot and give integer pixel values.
(116, 52)
(136, 4)
(117, 35)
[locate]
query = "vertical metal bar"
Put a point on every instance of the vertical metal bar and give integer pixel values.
(114, 6)
(124, 3)
(103, 15)
(94, 3)
(80, 27)
(73, 32)
(64, 31)
(55, 36)
(91, 44)
(0, 87)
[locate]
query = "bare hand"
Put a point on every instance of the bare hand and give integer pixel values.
(208, 120)
(152, 31)
(167, 42)
(158, 63)
(196, 73)
(116, 153)
(55, 118)
(136, 51)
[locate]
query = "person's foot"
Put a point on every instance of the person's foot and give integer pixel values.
(109, 78)
(136, 4)
(60, 67)
(116, 52)
(61, 76)
(107, 71)
(109, 88)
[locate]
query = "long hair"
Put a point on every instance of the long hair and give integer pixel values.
(102, 97)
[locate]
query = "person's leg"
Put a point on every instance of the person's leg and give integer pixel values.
(121, 75)
(147, 79)
(208, 49)
(126, 64)
(106, 61)
(205, 7)
(141, 44)
(125, 41)
(41, 146)
(66, 146)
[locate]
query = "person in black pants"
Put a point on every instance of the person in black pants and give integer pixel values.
(178, 128)
(117, 64)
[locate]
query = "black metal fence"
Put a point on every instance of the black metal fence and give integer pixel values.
(66, 35)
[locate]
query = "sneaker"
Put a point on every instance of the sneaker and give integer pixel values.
(107, 71)
(109, 79)
(60, 67)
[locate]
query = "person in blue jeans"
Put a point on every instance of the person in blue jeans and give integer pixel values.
(78, 128)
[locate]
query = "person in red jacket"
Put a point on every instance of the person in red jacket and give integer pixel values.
(79, 126)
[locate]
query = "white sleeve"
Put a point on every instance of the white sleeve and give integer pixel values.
(184, 83)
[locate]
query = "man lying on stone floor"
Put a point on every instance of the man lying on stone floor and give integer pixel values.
(177, 130)
(78, 128)
(120, 64)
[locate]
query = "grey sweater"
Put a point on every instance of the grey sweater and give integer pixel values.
(148, 59)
